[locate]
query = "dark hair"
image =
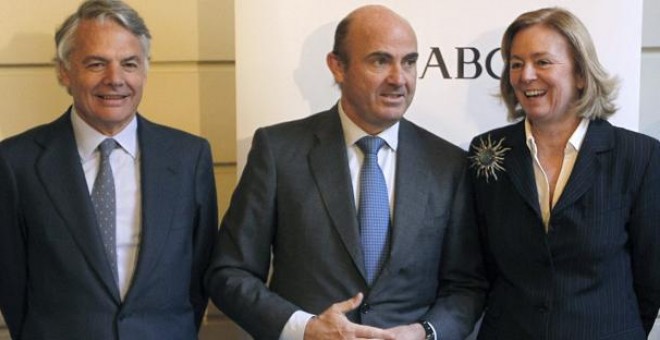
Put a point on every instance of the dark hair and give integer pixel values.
(341, 34)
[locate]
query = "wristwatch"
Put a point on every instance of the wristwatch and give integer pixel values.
(430, 334)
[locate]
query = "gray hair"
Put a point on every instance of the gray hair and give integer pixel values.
(596, 99)
(101, 10)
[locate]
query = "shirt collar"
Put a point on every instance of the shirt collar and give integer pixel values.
(88, 139)
(353, 133)
(574, 141)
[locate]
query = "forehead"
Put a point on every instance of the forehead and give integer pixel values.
(380, 32)
(93, 36)
(539, 39)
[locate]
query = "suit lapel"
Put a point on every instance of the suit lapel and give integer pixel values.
(158, 172)
(599, 138)
(61, 174)
(411, 191)
(335, 184)
(518, 164)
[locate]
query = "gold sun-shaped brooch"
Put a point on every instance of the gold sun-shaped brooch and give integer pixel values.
(488, 158)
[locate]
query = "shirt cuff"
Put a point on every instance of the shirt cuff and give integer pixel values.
(294, 329)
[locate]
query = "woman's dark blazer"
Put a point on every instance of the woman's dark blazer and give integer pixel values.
(596, 273)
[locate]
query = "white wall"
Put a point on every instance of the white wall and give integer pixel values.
(282, 75)
(649, 118)
(650, 77)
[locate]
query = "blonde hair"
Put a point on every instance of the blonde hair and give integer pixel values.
(596, 99)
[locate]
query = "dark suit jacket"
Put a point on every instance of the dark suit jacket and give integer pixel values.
(56, 282)
(596, 273)
(295, 198)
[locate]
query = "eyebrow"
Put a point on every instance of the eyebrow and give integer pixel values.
(132, 58)
(534, 55)
(381, 54)
(100, 58)
(93, 58)
(413, 55)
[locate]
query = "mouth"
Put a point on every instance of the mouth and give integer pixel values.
(534, 93)
(393, 96)
(112, 96)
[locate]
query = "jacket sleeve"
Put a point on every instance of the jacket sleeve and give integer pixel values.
(463, 285)
(644, 229)
(240, 264)
(206, 226)
(13, 267)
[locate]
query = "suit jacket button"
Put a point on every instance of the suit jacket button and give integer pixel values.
(364, 309)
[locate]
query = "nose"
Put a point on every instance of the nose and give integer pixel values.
(528, 73)
(114, 75)
(396, 75)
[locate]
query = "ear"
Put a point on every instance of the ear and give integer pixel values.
(580, 82)
(336, 66)
(63, 74)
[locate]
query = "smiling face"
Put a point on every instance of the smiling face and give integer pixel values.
(105, 74)
(542, 74)
(378, 78)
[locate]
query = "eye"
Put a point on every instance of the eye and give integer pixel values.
(95, 66)
(543, 62)
(131, 65)
(410, 63)
(514, 65)
(380, 61)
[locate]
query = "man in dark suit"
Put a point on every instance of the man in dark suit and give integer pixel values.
(300, 206)
(95, 246)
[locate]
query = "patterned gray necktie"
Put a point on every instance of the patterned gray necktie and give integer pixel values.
(374, 208)
(104, 201)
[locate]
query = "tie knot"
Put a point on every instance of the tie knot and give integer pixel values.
(107, 146)
(370, 144)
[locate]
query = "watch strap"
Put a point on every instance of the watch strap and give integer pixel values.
(428, 330)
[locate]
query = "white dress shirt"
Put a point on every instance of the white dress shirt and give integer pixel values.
(294, 329)
(570, 156)
(125, 163)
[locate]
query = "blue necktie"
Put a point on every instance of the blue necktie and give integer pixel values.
(374, 208)
(104, 202)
